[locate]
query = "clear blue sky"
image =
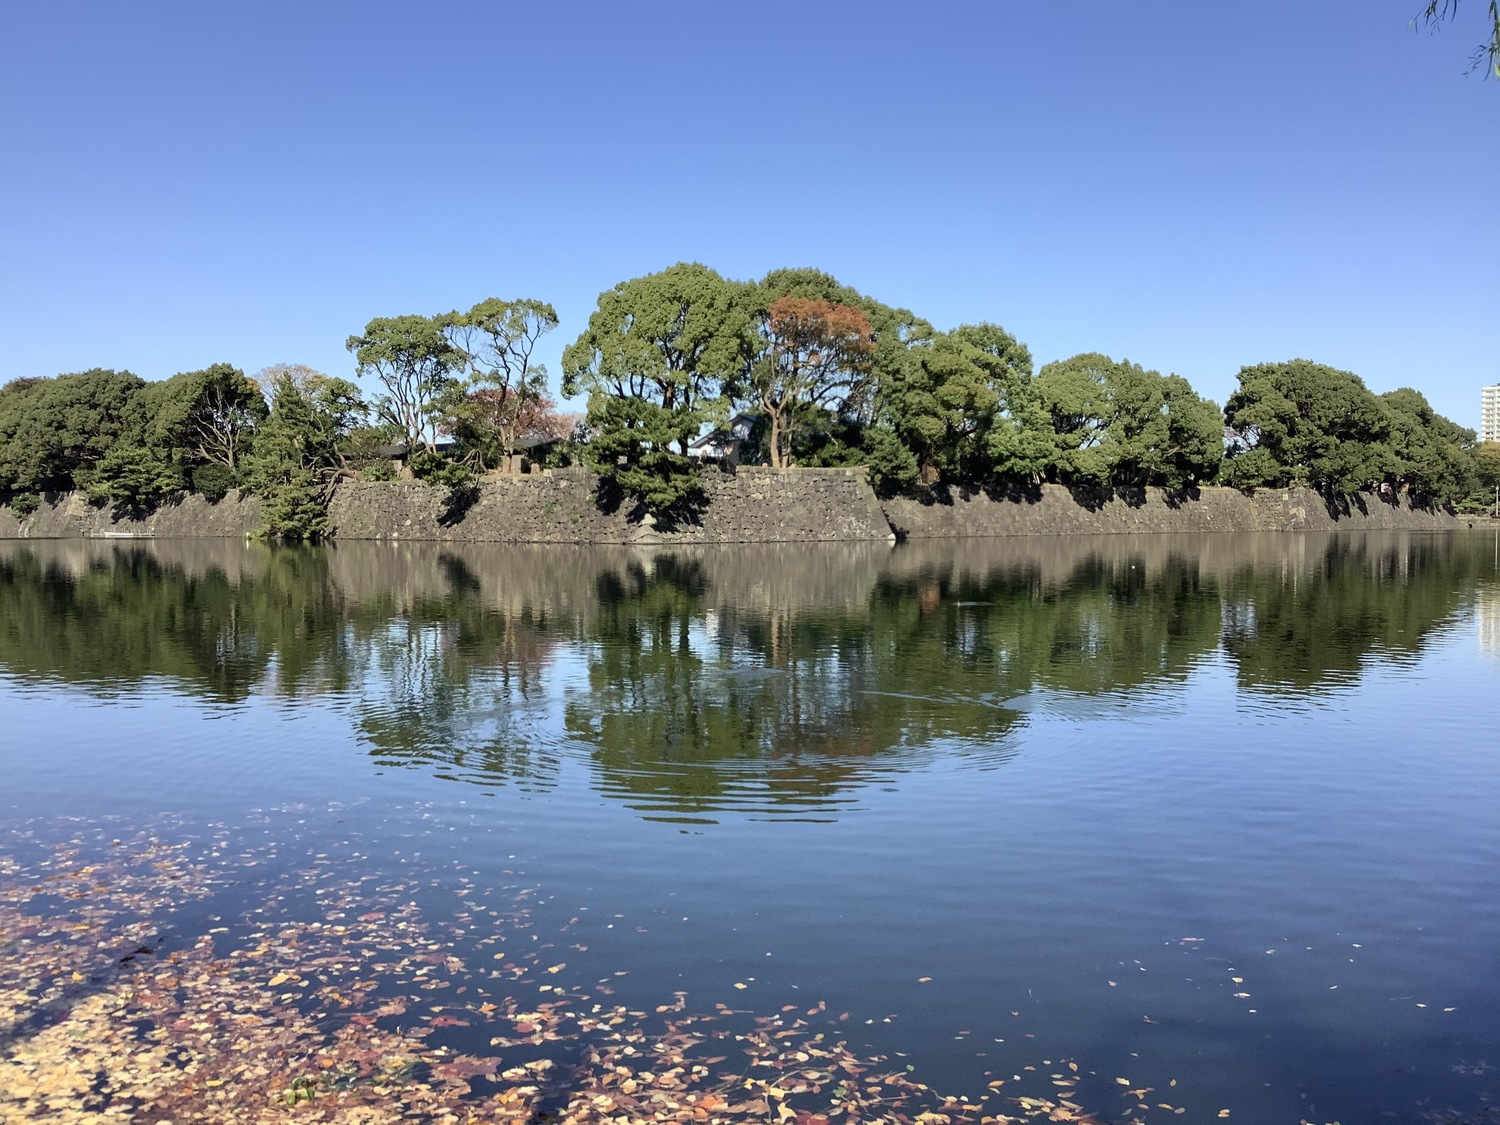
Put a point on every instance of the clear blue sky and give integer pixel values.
(1194, 186)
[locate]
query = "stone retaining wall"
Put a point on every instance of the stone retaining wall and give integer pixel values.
(751, 505)
(748, 506)
(69, 515)
(1054, 510)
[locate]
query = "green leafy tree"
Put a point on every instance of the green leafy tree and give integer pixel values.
(1194, 451)
(1485, 494)
(23, 505)
(203, 417)
(1075, 395)
(967, 407)
(134, 477)
(653, 361)
(186, 431)
(505, 396)
(834, 439)
(891, 464)
(1432, 457)
(1120, 424)
(54, 431)
(299, 453)
(1135, 430)
(213, 482)
(413, 360)
(1306, 424)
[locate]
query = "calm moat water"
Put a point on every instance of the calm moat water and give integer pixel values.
(1218, 816)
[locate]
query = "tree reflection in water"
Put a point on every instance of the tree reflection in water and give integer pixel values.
(761, 680)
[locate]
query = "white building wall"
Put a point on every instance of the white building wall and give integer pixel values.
(1489, 413)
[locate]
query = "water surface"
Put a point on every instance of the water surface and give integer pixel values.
(1214, 815)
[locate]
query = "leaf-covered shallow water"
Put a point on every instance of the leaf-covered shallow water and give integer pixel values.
(1077, 827)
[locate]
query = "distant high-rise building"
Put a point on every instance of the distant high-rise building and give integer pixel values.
(1489, 413)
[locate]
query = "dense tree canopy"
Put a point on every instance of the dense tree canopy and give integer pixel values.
(849, 425)
(1118, 423)
(203, 417)
(53, 432)
(1485, 492)
(187, 431)
(968, 407)
(653, 360)
(1430, 456)
(1303, 423)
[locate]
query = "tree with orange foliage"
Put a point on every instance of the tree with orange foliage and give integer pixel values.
(818, 354)
(490, 422)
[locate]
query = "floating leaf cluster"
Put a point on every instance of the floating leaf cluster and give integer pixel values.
(334, 999)
(331, 995)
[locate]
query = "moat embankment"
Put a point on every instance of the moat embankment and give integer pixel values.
(1054, 510)
(747, 506)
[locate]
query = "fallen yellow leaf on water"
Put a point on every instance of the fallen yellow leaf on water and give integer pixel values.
(737, 984)
(279, 978)
(1223, 1113)
(923, 980)
(559, 967)
(1123, 1081)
